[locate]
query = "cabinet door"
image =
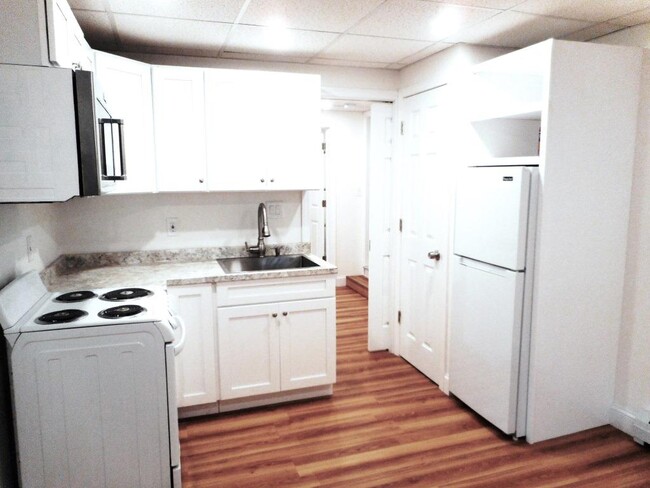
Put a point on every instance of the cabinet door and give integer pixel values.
(196, 365)
(63, 33)
(38, 148)
(307, 343)
(264, 131)
(127, 86)
(237, 122)
(249, 350)
(293, 135)
(179, 125)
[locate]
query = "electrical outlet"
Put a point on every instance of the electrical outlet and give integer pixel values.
(172, 225)
(29, 248)
(274, 210)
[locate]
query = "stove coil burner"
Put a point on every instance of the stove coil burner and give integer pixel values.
(121, 311)
(75, 296)
(61, 316)
(125, 294)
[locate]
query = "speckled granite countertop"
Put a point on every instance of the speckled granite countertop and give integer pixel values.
(165, 268)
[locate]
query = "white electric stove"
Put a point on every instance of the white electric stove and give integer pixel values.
(92, 374)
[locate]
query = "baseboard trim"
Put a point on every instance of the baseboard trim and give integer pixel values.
(340, 280)
(622, 419)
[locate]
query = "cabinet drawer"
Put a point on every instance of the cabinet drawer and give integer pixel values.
(269, 291)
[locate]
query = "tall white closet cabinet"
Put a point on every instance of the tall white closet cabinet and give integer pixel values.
(570, 108)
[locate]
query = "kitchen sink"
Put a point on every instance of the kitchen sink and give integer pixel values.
(266, 263)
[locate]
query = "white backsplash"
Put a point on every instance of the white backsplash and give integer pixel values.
(138, 222)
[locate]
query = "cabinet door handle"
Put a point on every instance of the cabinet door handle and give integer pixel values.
(200, 180)
(272, 180)
(261, 180)
(274, 315)
(285, 314)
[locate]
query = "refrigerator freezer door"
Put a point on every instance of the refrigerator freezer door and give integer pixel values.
(485, 334)
(492, 216)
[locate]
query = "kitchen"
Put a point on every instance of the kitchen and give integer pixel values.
(90, 225)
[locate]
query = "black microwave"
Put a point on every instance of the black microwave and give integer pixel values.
(100, 137)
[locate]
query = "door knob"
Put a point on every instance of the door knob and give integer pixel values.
(434, 255)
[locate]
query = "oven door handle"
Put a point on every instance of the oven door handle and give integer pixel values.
(179, 344)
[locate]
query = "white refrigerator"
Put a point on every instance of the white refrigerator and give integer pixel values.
(492, 292)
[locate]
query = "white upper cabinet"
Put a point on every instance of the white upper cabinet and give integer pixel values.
(38, 152)
(126, 85)
(179, 124)
(67, 46)
(263, 131)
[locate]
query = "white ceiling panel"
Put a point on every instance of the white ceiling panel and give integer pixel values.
(264, 57)
(590, 10)
(419, 20)
(374, 49)
(515, 29)
(593, 32)
(319, 15)
(97, 28)
(220, 11)
(498, 4)
(427, 51)
(199, 37)
(290, 42)
(636, 18)
(343, 62)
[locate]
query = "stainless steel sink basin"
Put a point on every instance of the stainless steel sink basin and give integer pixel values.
(266, 263)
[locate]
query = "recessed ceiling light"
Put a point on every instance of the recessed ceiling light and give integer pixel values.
(446, 22)
(278, 36)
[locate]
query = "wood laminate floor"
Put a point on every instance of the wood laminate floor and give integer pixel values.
(388, 425)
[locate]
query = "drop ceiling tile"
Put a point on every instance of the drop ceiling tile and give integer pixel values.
(344, 62)
(590, 10)
(373, 49)
(419, 20)
(218, 11)
(636, 18)
(497, 4)
(289, 42)
(426, 52)
(516, 29)
(97, 5)
(97, 28)
(190, 36)
(264, 57)
(329, 16)
(593, 32)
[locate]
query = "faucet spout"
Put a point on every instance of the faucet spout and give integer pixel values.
(262, 232)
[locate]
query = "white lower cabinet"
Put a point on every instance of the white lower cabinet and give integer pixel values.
(276, 347)
(196, 365)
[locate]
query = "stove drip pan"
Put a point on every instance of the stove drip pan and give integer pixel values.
(75, 296)
(61, 316)
(121, 311)
(125, 294)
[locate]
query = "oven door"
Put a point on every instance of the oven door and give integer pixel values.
(174, 443)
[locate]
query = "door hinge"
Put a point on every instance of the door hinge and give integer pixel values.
(399, 316)
(401, 128)
(369, 241)
(323, 147)
(324, 203)
(400, 225)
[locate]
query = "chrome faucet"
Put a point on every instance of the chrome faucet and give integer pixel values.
(262, 232)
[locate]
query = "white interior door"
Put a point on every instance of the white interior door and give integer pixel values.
(314, 212)
(379, 228)
(426, 179)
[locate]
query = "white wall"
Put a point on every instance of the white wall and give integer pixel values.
(338, 77)
(632, 381)
(16, 223)
(441, 67)
(346, 161)
(138, 222)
